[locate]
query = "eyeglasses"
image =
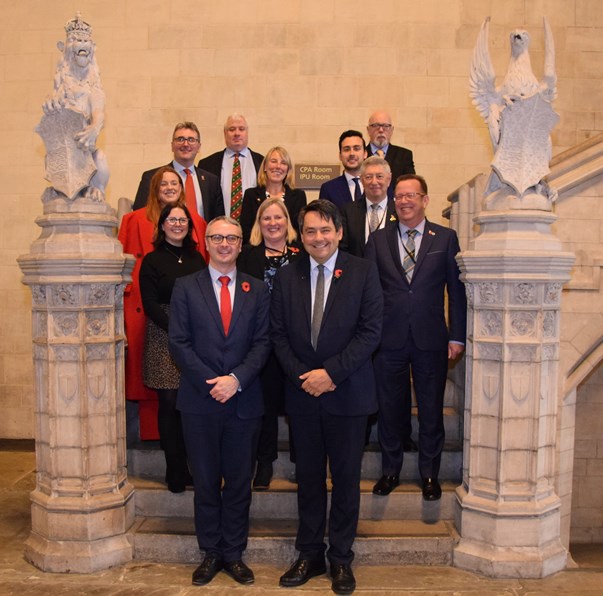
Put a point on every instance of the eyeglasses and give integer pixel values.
(172, 221)
(218, 239)
(189, 140)
(411, 196)
(383, 125)
(378, 177)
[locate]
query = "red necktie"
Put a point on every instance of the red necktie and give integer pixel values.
(225, 306)
(189, 191)
(236, 189)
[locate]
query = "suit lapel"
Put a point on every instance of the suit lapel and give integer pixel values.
(207, 291)
(392, 236)
(336, 283)
(305, 291)
(426, 242)
(240, 300)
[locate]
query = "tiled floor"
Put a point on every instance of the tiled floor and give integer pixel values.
(138, 577)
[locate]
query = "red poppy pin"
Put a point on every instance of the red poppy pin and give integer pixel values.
(293, 249)
(245, 286)
(337, 273)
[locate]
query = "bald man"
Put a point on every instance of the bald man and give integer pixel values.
(380, 130)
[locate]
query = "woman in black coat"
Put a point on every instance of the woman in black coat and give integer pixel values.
(272, 246)
(275, 180)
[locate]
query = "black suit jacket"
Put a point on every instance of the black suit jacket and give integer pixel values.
(295, 199)
(400, 161)
(354, 225)
(349, 334)
(211, 192)
(418, 307)
(337, 191)
(213, 163)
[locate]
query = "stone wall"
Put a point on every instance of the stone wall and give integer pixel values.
(301, 72)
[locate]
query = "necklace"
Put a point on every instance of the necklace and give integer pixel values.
(282, 197)
(179, 257)
(277, 250)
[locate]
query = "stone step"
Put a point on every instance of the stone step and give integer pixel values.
(280, 502)
(148, 462)
(409, 542)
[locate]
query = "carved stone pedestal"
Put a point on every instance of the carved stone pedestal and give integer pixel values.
(83, 504)
(508, 513)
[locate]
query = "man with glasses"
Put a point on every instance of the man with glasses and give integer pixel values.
(371, 213)
(202, 188)
(237, 162)
(347, 187)
(218, 337)
(417, 267)
(400, 160)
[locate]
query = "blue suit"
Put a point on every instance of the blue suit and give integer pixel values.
(337, 191)
(415, 336)
(220, 437)
(333, 425)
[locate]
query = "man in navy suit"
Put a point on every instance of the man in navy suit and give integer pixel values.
(373, 211)
(417, 266)
(219, 338)
(236, 134)
(186, 142)
(347, 187)
(380, 130)
(325, 325)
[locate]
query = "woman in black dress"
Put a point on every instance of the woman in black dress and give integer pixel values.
(272, 246)
(175, 255)
(275, 180)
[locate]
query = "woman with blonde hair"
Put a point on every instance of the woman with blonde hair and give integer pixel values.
(275, 180)
(272, 246)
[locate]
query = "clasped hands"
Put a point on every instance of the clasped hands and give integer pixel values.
(224, 387)
(316, 382)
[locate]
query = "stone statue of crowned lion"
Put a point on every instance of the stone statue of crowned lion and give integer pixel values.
(74, 117)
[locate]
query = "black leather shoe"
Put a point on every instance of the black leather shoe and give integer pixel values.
(342, 579)
(432, 490)
(263, 476)
(301, 571)
(239, 572)
(385, 485)
(409, 446)
(208, 569)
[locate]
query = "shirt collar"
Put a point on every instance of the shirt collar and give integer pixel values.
(329, 264)
(420, 228)
(374, 149)
(242, 152)
(382, 204)
(180, 168)
(215, 274)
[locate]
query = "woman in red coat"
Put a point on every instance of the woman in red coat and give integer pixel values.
(136, 233)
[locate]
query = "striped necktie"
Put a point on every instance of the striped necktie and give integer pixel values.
(236, 189)
(409, 256)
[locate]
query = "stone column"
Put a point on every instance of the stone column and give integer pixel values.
(83, 504)
(508, 514)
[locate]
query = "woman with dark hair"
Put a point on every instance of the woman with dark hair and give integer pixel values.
(275, 180)
(175, 255)
(136, 233)
(272, 246)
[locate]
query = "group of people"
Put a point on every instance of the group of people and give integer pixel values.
(246, 302)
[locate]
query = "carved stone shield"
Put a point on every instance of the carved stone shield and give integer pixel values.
(523, 154)
(69, 169)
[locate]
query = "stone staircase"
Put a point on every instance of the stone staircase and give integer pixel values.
(400, 529)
